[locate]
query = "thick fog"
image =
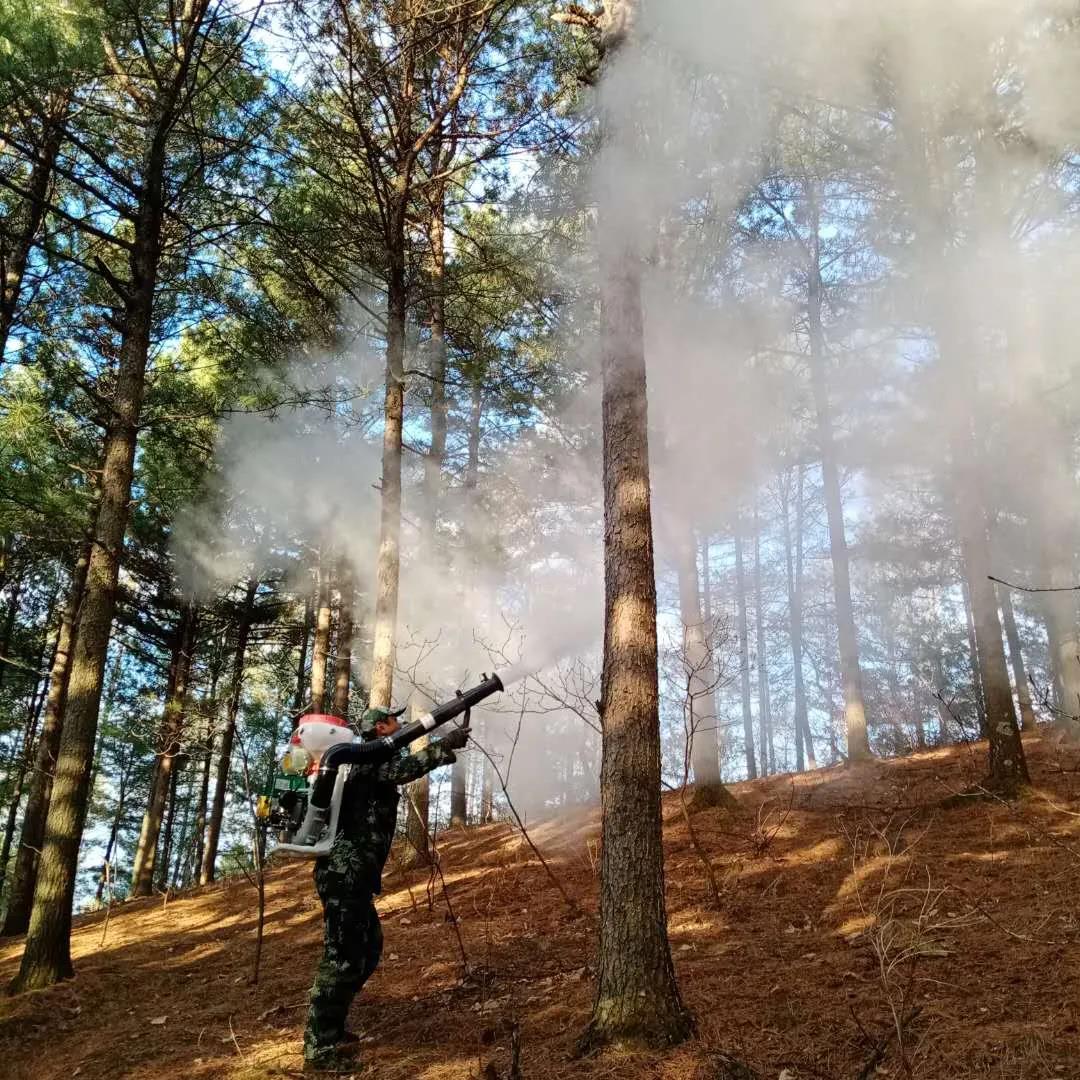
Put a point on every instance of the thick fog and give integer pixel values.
(916, 158)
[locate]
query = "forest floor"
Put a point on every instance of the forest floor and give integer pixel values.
(865, 923)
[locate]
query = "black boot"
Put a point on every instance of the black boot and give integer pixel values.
(330, 1063)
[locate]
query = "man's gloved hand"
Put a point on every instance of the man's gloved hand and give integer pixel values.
(455, 738)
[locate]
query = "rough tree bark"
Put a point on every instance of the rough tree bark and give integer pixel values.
(744, 660)
(47, 956)
(343, 655)
(804, 742)
(1007, 766)
(174, 879)
(31, 213)
(918, 699)
(700, 664)
(459, 793)
(973, 659)
(228, 735)
(472, 509)
(1063, 639)
(637, 998)
(768, 755)
(937, 681)
(435, 458)
(162, 861)
(9, 628)
(418, 38)
(23, 883)
(27, 754)
(114, 830)
(417, 852)
(170, 734)
(301, 666)
(487, 782)
(384, 648)
(320, 649)
(1016, 660)
(858, 740)
(209, 717)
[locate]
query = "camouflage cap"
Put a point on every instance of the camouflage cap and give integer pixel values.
(373, 715)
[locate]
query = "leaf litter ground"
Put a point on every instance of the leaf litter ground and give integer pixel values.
(872, 922)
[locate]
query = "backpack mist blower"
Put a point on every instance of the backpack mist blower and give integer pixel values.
(303, 801)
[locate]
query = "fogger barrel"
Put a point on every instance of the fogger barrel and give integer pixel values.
(377, 751)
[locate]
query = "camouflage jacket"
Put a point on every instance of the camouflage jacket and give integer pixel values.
(369, 814)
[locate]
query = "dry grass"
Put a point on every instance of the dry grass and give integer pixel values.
(875, 928)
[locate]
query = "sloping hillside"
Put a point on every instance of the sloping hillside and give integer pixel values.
(866, 919)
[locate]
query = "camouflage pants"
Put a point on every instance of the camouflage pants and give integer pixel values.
(352, 947)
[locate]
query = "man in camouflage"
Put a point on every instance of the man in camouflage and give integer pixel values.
(349, 877)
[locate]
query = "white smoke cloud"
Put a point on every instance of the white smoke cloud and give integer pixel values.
(953, 125)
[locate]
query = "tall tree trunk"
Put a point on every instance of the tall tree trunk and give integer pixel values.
(301, 666)
(459, 793)
(707, 613)
(47, 956)
(804, 742)
(8, 631)
(384, 650)
(170, 734)
(163, 860)
(434, 461)
(744, 660)
(476, 416)
(472, 508)
(108, 701)
(487, 781)
(418, 797)
(26, 757)
(945, 719)
(343, 657)
(217, 811)
(320, 650)
(161, 741)
(1016, 659)
(7, 549)
(114, 831)
(973, 659)
(917, 712)
(858, 740)
(1063, 638)
(834, 746)
(768, 756)
(637, 998)
(199, 828)
(1055, 497)
(706, 579)
(1008, 767)
(23, 883)
(176, 879)
(14, 797)
(31, 214)
(700, 683)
